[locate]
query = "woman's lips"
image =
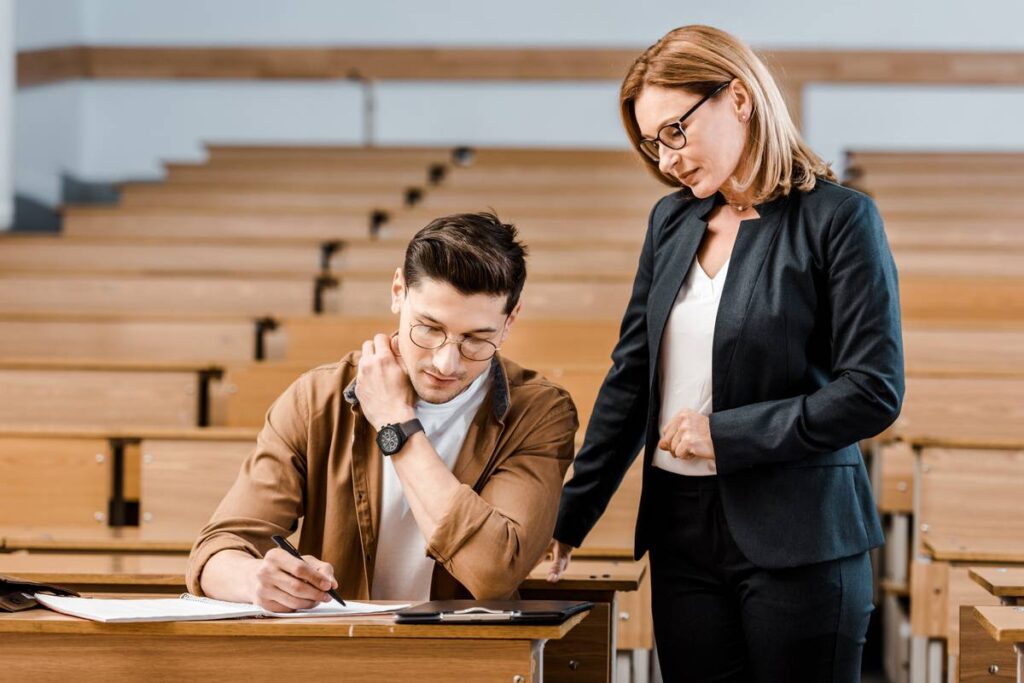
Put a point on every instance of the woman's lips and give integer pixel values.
(688, 177)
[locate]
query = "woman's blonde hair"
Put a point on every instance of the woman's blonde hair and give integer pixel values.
(699, 59)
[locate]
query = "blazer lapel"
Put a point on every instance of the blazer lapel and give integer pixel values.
(681, 245)
(746, 264)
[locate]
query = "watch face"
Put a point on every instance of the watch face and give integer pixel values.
(388, 439)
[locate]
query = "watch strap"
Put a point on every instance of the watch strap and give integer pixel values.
(410, 427)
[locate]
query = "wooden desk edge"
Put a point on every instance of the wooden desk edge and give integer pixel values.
(997, 591)
(982, 614)
(351, 627)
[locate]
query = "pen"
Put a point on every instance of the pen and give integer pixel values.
(284, 545)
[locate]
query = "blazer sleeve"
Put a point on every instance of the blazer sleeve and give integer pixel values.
(865, 393)
(615, 433)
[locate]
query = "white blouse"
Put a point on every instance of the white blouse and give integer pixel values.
(686, 350)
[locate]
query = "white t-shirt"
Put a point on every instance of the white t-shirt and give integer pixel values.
(402, 569)
(686, 352)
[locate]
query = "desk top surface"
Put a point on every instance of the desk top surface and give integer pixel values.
(1003, 582)
(961, 549)
(371, 626)
(1005, 624)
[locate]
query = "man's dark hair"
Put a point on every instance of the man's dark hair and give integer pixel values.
(473, 252)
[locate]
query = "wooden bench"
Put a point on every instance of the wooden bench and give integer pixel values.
(55, 481)
(290, 175)
(353, 154)
(965, 513)
(1003, 626)
(87, 478)
(53, 392)
(135, 337)
(256, 294)
(197, 225)
(208, 195)
(159, 255)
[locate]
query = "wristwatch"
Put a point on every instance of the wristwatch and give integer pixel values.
(392, 437)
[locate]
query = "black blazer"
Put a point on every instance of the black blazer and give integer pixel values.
(807, 361)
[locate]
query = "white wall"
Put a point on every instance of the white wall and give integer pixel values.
(49, 136)
(124, 129)
(129, 128)
(943, 24)
(842, 117)
(41, 24)
(7, 50)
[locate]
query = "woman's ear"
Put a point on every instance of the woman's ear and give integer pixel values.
(740, 101)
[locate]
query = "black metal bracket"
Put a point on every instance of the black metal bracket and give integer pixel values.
(369, 105)
(327, 250)
(463, 156)
(436, 173)
(206, 375)
(263, 325)
(377, 219)
(413, 196)
(321, 283)
(120, 512)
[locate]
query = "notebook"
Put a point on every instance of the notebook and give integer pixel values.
(188, 607)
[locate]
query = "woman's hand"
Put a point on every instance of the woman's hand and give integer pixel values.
(560, 554)
(688, 435)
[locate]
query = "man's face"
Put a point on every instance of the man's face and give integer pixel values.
(439, 375)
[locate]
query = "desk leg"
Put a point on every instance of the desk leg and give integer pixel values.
(587, 653)
(537, 660)
(1019, 650)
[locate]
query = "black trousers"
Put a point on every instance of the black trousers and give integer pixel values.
(717, 617)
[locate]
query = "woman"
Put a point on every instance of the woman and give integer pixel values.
(760, 344)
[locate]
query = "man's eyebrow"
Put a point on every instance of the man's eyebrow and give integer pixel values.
(437, 322)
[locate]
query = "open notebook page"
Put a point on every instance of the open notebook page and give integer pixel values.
(190, 608)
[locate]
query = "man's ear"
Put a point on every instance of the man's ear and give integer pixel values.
(512, 317)
(397, 291)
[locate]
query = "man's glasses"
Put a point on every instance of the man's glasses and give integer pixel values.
(432, 338)
(673, 135)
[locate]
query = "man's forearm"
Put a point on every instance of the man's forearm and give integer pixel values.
(228, 576)
(427, 483)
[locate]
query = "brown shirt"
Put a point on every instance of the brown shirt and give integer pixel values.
(316, 458)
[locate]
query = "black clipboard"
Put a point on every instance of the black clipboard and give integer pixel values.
(491, 612)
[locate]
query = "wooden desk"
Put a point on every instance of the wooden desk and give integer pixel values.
(351, 649)
(1005, 625)
(88, 540)
(588, 654)
(978, 549)
(1006, 583)
(130, 572)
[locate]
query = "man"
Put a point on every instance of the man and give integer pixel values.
(424, 467)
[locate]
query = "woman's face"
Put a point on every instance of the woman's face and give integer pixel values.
(716, 134)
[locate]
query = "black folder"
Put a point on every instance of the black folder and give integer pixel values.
(491, 612)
